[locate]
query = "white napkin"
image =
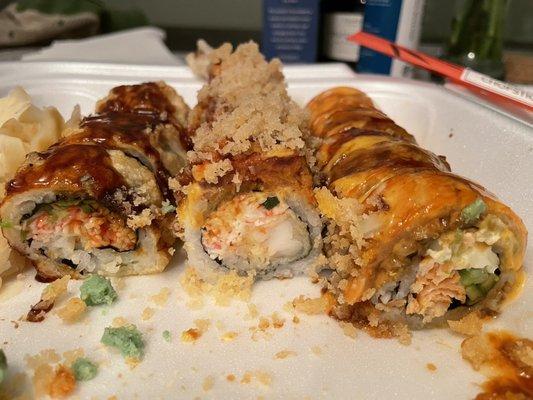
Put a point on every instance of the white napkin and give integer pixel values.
(133, 46)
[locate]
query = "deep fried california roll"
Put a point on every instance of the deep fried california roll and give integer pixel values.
(405, 236)
(97, 201)
(161, 103)
(248, 203)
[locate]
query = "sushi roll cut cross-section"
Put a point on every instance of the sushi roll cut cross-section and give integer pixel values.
(406, 238)
(97, 201)
(248, 204)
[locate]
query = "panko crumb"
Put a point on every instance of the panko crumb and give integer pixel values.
(63, 382)
(47, 380)
(225, 288)
(230, 378)
(119, 321)
(317, 350)
(306, 305)
(229, 336)
(193, 334)
(277, 321)
(260, 376)
(147, 313)
(132, 362)
(208, 383)
(262, 329)
(72, 355)
(470, 325)
(252, 106)
(143, 219)
(55, 289)
(73, 310)
(505, 359)
(212, 172)
(161, 298)
(280, 355)
(253, 312)
(190, 335)
(431, 367)
(348, 329)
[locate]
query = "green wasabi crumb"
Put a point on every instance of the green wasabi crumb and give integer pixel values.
(3, 365)
(127, 339)
(97, 290)
(473, 211)
(84, 369)
(167, 336)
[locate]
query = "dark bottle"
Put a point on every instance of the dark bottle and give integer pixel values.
(339, 19)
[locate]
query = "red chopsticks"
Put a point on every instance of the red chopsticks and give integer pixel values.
(482, 84)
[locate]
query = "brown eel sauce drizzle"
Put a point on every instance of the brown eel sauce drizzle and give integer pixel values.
(72, 168)
(507, 360)
(117, 130)
(138, 98)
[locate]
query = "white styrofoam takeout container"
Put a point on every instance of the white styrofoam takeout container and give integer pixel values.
(491, 148)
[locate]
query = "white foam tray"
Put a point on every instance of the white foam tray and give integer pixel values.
(479, 143)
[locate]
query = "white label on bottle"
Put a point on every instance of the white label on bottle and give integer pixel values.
(337, 27)
(494, 85)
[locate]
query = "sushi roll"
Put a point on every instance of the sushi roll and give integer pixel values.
(166, 109)
(98, 201)
(406, 238)
(248, 203)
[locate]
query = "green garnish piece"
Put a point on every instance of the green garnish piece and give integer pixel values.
(477, 283)
(472, 276)
(473, 211)
(87, 206)
(270, 202)
(457, 241)
(167, 336)
(473, 294)
(5, 224)
(66, 203)
(3, 366)
(84, 369)
(97, 290)
(127, 339)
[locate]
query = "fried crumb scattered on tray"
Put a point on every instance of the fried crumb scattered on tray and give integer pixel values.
(161, 298)
(193, 334)
(190, 335)
(311, 306)
(72, 355)
(259, 376)
(253, 312)
(470, 325)
(208, 383)
(63, 382)
(147, 313)
(317, 350)
(230, 378)
(119, 321)
(229, 336)
(73, 310)
(223, 288)
(431, 367)
(348, 329)
(55, 289)
(280, 355)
